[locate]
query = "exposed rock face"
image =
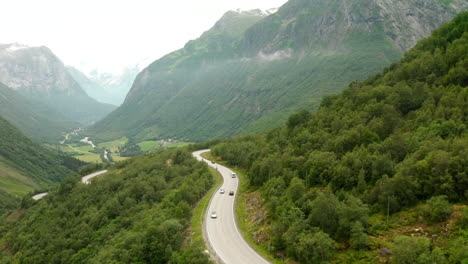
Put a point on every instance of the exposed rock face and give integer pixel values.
(248, 75)
(319, 24)
(36, 73)
(419, 17)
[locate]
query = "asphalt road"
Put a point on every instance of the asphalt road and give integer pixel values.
(222, 233)
(84, 180)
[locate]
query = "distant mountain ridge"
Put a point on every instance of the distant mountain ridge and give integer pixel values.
(250, 71)
(36, 73)
(106, 87)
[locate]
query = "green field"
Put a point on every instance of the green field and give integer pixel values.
(83, 152)
(153, 145)
(148, 145)
(118, 158)
(177, 145)
(95, 158)
(70, 150)
(86, 148)
(80, 152)
(113, 145)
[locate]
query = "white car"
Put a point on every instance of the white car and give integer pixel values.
(214, 215)
(221, 191)
(233, 175)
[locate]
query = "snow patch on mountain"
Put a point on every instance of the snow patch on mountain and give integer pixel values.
(16, 46)
(258, 11)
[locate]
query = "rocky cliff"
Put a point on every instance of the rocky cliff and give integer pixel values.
(36, 73)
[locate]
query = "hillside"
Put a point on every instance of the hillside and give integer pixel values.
(251, 70)
(375, 163)
(34, 119)
(37, 74)
(25, 165)
(136, 213)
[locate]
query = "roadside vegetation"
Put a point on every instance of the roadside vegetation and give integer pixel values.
(337, 183)
(199, 211)
(138, 213)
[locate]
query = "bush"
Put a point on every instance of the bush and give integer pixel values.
(458, 249)
(315, 248)
(437, 209)
(463, 222)
(408, 250)
(359, 239)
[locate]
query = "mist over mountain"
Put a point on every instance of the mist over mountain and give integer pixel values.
(105, 86)
(251, 70)
(39, 75)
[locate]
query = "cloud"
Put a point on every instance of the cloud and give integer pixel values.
(278, 55)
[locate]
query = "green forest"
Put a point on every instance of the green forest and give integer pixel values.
(383, 146)
(46, 165)
(138, 212)
(26, 165)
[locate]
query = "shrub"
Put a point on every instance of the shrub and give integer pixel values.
(438, 209)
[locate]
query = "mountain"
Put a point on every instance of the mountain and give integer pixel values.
(251, 70)
(39, 75)
(26, 165)
(106, 87)
(370, 167)
(138, 212)
(92, 88)
(36, 120)
(116, 84)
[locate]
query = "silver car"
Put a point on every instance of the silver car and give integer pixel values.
(221, 191)
(214, 215)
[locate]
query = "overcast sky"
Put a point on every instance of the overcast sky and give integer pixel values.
(110, 34)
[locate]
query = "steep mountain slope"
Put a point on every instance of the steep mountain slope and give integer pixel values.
(25, 165)
(35, 119)
(36, 73)
(136, 213)
(220, 84)
(92, 88)
(393, 142)
(106, 87)
(170, 74)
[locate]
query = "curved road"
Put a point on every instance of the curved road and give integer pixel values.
(222, 233)
(84, 180)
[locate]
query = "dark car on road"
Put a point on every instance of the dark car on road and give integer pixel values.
(231, 193)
